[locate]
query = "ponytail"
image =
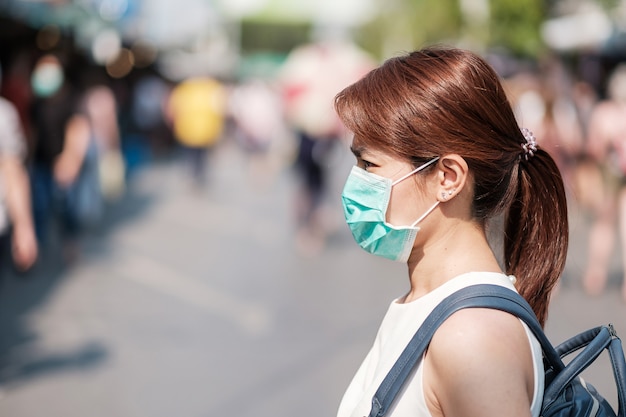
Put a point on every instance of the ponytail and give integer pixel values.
(536, 230)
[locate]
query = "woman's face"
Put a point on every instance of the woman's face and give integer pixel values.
(408, 198)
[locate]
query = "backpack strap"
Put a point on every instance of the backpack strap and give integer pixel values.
(475, 296)
(591, 343)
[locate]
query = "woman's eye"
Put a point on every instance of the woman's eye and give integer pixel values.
(364, 164)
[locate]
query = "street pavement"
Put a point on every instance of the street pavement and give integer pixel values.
(197, 303)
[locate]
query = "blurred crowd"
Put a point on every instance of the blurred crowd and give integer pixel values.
(582, 124)
(71, 136)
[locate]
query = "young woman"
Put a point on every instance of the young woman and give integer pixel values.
(439, 153)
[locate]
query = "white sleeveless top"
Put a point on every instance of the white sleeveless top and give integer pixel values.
(398, 327)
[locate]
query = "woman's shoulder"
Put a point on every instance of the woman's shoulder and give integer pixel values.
(477, 328)
(480, 333)
(480, 350)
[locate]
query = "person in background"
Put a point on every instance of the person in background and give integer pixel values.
(439, 154)
(196, 110)
(64, 172)
(309, 79)
(255, 108)
(16, 224)
(606, 144)
(145, 126)
(100, 106)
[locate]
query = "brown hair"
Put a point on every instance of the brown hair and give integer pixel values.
(444, 100)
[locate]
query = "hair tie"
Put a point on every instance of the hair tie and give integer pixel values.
(530, 146)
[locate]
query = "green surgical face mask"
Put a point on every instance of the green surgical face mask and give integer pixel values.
(365, 200)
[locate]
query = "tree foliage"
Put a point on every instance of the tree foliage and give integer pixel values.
(515, 25)
(409, 24)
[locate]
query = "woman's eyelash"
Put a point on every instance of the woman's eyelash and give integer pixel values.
(364, 163)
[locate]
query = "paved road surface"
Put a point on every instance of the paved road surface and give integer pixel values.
(197, 304)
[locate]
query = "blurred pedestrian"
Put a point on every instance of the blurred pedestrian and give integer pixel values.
(311, 76)
(64, 173)
(196, 109)
(16, 86)
(587, 172)
(146, 125)
(256, 109)
(100, 106)
(17, 233)
(439, 153)
(607, 145)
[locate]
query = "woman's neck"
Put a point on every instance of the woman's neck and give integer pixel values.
(463, 248)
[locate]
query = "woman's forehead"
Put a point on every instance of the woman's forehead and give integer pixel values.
(360, 148)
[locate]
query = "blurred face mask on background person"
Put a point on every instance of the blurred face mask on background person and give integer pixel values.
(47, 78)
(365, 199)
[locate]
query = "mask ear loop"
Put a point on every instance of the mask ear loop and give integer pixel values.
(425, 214)
(418, 169)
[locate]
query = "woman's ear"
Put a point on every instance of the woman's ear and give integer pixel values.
(452, 176)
